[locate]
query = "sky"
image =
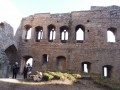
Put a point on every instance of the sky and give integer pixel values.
(12, 11)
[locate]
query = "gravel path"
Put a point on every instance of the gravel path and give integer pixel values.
(13, 84)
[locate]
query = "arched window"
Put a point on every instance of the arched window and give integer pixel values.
(64, 34)
(27, 32)
(111, 34)
(38, 33)
(107, 71)
(51, 33)
(80, 29)
(86, 67)
(44, 58)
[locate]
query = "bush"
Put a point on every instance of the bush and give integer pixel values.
(77, 76)
(69, 76)
(56, 75)
(47, 76)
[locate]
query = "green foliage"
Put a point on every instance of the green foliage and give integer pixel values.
(69, 76)
(59, 76)
(77, 76)
(47, 76)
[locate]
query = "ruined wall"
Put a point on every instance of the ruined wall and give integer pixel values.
(93, 49)
(7, 55)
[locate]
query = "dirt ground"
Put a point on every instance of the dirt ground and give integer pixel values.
(14, 84)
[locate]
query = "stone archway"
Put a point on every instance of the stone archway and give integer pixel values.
(11, 53)
(7, 58)
(61, 63)
(26, 59)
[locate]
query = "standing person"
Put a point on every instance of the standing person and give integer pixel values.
(15, 70)
(25, 70)
(29, 69)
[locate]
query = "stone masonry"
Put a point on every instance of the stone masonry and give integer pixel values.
(8, 49)
(72, 54)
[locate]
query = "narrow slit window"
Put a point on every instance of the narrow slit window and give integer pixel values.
(45, 59)
(27, 32)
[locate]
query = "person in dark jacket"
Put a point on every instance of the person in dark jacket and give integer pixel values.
(15, 70)
(25, 71)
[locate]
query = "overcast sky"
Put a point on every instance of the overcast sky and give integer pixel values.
(12, 11)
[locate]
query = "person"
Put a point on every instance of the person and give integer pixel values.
(25, 70)
(29, 69)
(15, 70)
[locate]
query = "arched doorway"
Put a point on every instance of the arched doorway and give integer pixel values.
(61, 63)
(26, 60)
(11, 53)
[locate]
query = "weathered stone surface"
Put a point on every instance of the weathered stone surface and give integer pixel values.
(6, 54)
(94, 49)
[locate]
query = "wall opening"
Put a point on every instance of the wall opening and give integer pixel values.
(38, 33)
(44, 59)
(111, 34)
(64, 34)
(80, 33)
(107, 71)
(61, 63)
(28, 30)
(11, 53)
(86, 66)
(27, 60)
(51, 33)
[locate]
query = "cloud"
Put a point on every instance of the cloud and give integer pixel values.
(10, 14)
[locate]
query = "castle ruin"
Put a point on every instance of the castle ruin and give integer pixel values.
(71, 41)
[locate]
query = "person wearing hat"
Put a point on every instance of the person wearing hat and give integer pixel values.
(15, 70)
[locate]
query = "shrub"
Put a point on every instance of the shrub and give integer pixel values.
(69, 76)
(77, 76)
(47, 76)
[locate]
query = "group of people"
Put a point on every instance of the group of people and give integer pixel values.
(26, 70)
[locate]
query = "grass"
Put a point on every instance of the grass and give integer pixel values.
(105, 82)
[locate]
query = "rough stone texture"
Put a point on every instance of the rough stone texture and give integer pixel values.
(95, 49)
(6, 54)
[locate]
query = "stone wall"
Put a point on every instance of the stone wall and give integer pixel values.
(7, 55)
(94, 49)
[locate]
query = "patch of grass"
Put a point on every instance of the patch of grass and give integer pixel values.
(106, 82)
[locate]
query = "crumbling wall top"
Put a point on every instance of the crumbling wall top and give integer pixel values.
(114, 7)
